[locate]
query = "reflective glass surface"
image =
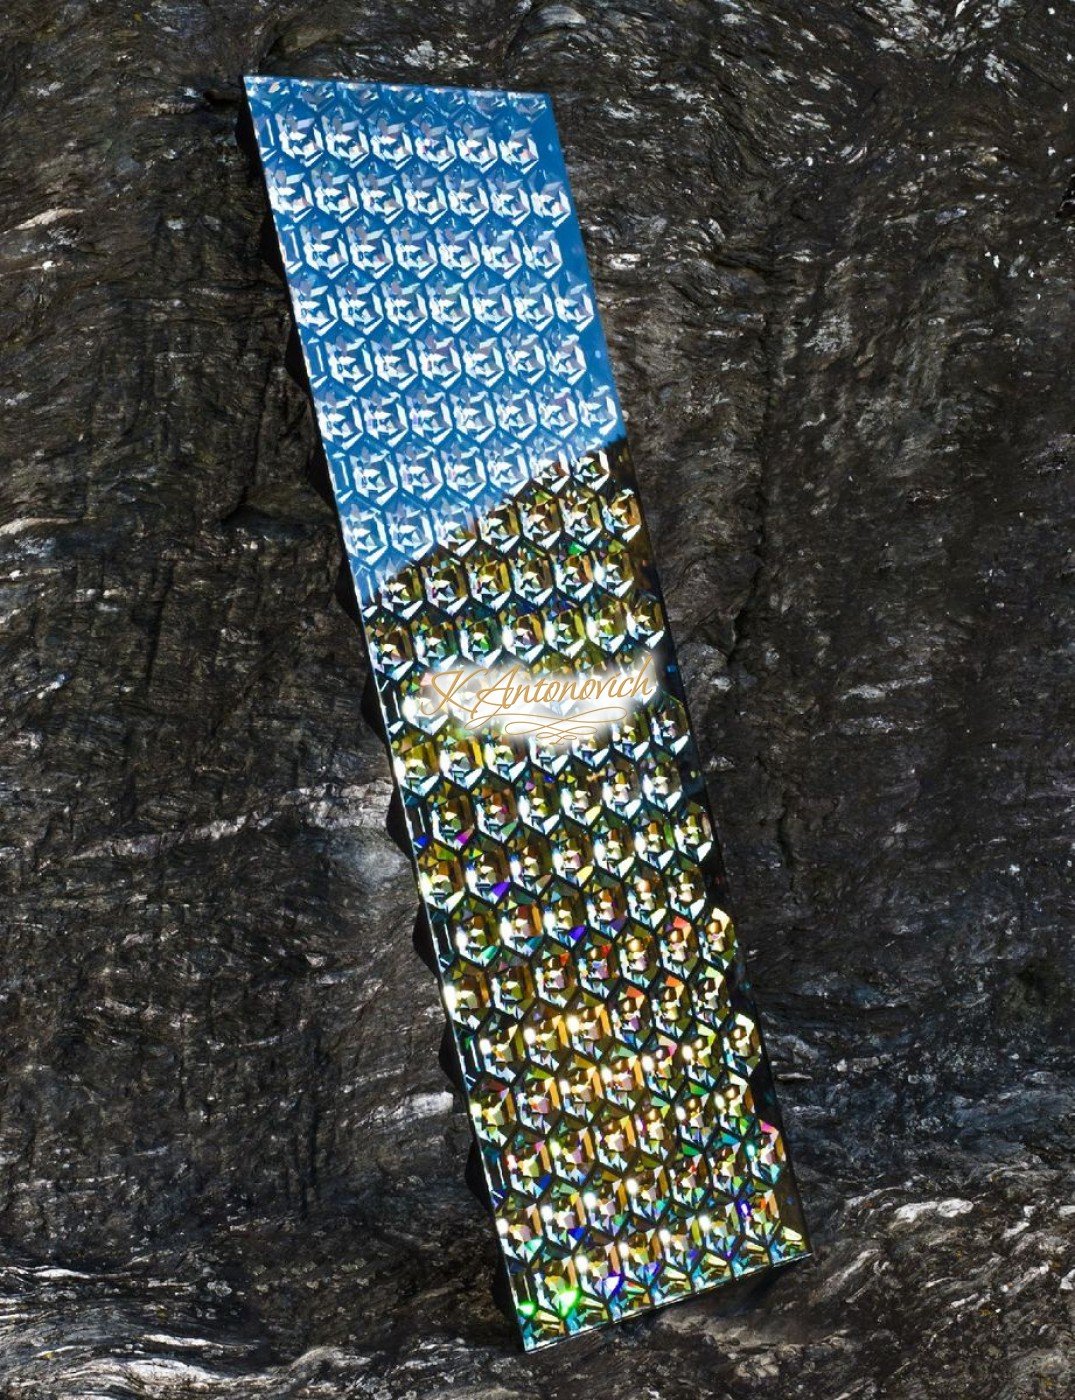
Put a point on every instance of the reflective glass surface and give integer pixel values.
(561, 834)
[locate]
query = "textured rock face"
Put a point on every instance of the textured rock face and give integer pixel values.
(839, 301)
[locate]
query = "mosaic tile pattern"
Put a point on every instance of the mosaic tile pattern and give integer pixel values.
(614, 1071)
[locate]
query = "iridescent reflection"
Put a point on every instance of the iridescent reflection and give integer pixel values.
(614, 1071)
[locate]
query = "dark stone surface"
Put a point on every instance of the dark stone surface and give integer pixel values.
(840, 302)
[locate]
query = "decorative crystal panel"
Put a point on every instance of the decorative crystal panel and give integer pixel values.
(615, 1075)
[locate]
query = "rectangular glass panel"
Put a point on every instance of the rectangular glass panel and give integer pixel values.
(615, 1075)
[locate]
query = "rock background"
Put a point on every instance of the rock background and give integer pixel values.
(841, 306)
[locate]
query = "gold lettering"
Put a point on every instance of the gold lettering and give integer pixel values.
(558, 708)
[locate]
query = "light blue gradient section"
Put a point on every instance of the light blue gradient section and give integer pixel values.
(443, 299)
